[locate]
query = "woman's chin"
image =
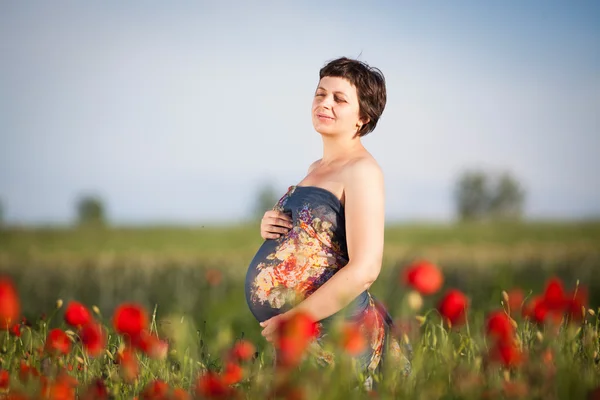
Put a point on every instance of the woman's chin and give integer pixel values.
(325, 130)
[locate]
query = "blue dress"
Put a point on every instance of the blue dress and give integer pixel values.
(286, 270)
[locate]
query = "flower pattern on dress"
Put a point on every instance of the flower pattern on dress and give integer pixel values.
(303, 260)
(287, 270)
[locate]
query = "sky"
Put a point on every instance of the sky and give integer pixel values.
(180, 112)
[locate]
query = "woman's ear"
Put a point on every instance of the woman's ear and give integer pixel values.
(362, 122)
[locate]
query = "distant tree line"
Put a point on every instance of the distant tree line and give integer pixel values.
(481, 195)
(478, 195)
(90, 211)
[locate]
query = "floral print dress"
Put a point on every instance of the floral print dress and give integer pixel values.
(286, 270)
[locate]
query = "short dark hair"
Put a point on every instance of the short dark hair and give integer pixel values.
(370, 87)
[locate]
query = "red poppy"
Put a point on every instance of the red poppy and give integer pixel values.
(77, 315)
(424, 277)
(93, 339)
(554, 295)
(156, 390)
(574, 303)
(353, 340)
(535, 309)
(26, 372)
(242, 351)
(453, 306)
(59, 390)
(4, 379)
(515, 300)
(214, 277)
(15, 395)
(9, 304)
(232, 374)
(130, 367)
(211, 385)
(151, 345)
(58, 342)
(552, 306)
(63, 388)
(506, 353)
(16, 330)
(288, 391)
(499, 327)
(181, 394)
(293, 336)
(96, 390)
(130, 319)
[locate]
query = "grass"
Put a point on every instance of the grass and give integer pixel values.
(193, 278)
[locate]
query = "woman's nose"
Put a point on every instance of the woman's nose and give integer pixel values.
(327, 101)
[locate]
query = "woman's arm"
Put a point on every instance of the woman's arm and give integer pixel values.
(365, 215)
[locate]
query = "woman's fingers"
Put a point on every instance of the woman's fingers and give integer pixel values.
(276, 229)
(274, 224)
(280, 219)
(271, 235)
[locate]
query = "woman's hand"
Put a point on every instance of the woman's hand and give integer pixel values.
(270, 327)
(274, 224)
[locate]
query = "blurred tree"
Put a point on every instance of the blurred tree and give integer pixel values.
(90, 211)
(472, 195)
(1, 213)
(265, 200)
(507, 198)
(480, 195)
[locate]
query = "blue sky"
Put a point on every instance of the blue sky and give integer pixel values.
(178, 113)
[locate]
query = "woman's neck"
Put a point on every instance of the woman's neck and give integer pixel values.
(336, 148)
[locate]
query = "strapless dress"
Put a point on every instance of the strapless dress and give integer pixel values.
(287, 270)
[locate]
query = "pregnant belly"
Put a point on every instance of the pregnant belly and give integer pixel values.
(283, 273)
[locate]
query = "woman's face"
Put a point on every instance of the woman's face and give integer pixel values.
(335, 108)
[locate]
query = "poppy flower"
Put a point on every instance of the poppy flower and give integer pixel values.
(93, 339)
(96, 390)
(4, 379)
(554, 295)
(16, 330)
(26, 372)
(507, 354)
(515, 300)
(232, 374)
(242, 351)
(499, 326)
(452, 307)
(293, 336)
(9, 304)
(353, 340)
(77, 315)
(59, 390)
(574, 303)
(535, 309)
(214, 277)
(130, 319)
(288, 391)
(58, 342)
(211, 385)
(151, 345)
(181, 394)
(130, 367)
(424, 277)
(156, 390)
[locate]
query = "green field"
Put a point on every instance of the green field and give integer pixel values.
(199, 273)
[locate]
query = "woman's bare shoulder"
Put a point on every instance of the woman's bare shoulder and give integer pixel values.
(313, 165)
(363, 167)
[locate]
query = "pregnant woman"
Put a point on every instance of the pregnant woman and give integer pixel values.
(324, 238)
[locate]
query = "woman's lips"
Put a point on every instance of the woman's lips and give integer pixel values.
(324, 117)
